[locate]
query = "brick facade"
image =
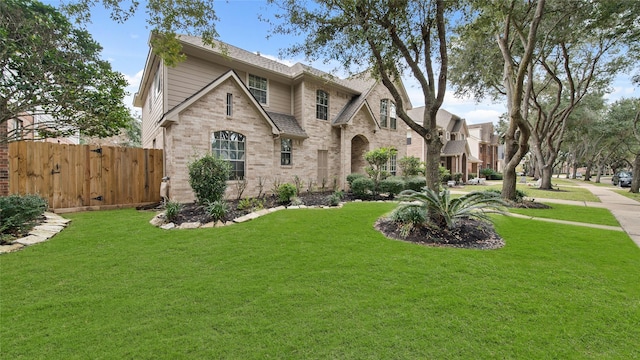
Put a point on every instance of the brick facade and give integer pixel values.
(185, 130)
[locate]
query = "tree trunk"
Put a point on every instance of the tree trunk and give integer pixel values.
(599, 170)
(587, 172)
(432, 163)
(635, 181)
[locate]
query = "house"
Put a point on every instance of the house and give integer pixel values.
(25, 127)
(455, 154)
(484, 145)
(271, 121)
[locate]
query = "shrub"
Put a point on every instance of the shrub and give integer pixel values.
(490, 174)
(392, 185)
(208, 178)
(335, 198)
(415, 183)
(520, 195)
(285, 192)
(251, 204)
(446, 211)
(172, 209)
(486, 172)
(296, 201)
(217, 210)
(352, 177)
(378, 160)
(19, 212)
(362, 188)
(457, 177)
(409, 217)
(445, 174)
(411, 166)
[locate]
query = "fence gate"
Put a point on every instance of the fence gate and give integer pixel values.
(77, 176)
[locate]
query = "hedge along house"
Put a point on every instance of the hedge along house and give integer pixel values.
(455, 155)
(271, 121)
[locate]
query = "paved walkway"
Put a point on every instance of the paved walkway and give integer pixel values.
(625, 210)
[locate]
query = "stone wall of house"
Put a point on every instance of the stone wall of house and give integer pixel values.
(190, 138)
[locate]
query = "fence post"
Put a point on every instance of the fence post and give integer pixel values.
(4, 161)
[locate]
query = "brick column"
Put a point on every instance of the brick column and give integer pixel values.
(4, 162)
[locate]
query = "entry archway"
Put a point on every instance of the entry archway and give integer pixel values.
(359, 147)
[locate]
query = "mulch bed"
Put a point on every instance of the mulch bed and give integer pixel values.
(471, 234)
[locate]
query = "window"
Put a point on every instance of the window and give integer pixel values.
(285, 152)
(229, 104)
(409, 137)
(157, 83)
(229, 145)
(393, 160)
(384, 112)
(391, 165)
(388, 114)
(258, 87)
(322, 105)
(392, 115)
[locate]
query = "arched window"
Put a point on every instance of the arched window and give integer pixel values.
(322, 105)
(230, 146)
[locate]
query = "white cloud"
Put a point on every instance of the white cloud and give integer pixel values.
(275, 58)
(620, 92)
(134, 84)
(134, 36)
(135, 79)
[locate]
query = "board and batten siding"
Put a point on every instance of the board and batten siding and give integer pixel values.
(190, 77)
(152, 112)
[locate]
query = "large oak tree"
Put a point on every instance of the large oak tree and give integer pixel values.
(388, 37)
(50, 67)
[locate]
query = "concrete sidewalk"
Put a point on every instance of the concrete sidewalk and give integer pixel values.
(626, 210)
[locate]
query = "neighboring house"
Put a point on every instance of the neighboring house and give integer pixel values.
(484, 145)
(271, 121)
(25, 127)
(455, 154)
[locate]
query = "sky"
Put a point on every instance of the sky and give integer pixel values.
(125, 46)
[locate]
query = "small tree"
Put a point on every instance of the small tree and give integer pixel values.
(208, 177)
(378, 160)
(411, 166)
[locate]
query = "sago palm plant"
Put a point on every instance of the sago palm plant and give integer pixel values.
(443, 210)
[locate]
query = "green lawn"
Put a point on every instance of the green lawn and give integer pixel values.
(317, 284)
(564, 193)
(632, 196)
(571, 213)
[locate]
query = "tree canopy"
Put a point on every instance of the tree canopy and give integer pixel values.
(50, 67)
(165, 18)
(388, 38)
(574, 50)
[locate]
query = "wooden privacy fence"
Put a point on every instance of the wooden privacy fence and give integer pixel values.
(78, 176)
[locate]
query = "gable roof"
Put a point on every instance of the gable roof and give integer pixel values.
(173, 115)
(455, 147)
(241, 56)
(444, 119)
(288, 125)
(355, 85)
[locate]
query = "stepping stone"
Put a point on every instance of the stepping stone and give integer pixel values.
(30, 240)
